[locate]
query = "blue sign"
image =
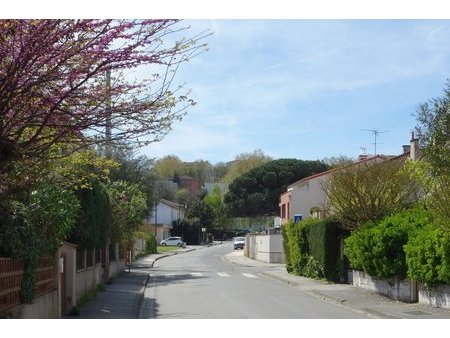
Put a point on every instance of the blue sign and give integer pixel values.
(298, 218)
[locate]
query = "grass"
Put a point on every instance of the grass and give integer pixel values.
(162, 249)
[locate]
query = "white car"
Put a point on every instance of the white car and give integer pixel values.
(178, 241)
(239, 242)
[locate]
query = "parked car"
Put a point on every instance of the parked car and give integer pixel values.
(239, 242)
(178, 241)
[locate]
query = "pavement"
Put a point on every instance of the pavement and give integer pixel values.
(114, 301)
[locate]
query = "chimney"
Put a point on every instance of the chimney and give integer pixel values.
(362, 157)
(414, 148)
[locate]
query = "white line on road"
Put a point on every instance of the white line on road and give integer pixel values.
(196, 274)
(223, 274)
(249, 275)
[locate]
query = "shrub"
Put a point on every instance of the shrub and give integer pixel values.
(428, 256)
(312, 248)
(378, 248)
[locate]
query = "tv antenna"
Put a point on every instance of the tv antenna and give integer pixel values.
(375, 133)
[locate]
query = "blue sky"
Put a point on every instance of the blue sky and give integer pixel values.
(300, 88)
(305, 88)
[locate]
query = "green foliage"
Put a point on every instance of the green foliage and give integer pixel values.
(215, 201)
(378, 248)
(433, 131)
(94, 223)
(257, 192)
(150, 241)
(37, 228)
(129, 208)
(369, 192)
(312, 248)
(428, 256)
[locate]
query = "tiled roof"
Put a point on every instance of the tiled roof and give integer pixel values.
(171, 204)
(382, 157)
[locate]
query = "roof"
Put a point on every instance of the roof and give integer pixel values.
(382, 157)
(171, 204)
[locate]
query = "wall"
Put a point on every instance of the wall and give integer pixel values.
(404, 290)
(308, 194)
(264, 248)
(438, 296)
(43, 307)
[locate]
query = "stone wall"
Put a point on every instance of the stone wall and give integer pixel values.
(403, 290)
(438, 296)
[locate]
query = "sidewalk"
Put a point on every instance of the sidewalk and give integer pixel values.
(345, 295)
(114, 302)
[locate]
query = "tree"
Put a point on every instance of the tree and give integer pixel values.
(215, 202)
(433, 131)
(136, 170)
(335, 162)
(166, 167)
(257, 192)
(433, 169)
(129, 208)
(244, 163)
(367, 192)
(53, 88)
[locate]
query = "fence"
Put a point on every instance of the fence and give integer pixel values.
(11, 273)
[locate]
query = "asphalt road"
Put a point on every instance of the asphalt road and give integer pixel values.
(202, 284)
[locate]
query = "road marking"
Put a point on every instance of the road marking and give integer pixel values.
(249, 275)
(196, 274)
(223, 274)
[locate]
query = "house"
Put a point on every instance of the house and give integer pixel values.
(161, 219)
(190, 184)
(306, 196)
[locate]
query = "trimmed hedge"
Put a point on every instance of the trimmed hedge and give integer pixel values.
(312, 248)
(428, 256)
(378, 248)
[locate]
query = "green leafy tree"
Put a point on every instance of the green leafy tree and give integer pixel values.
(258, 191)
(433, 131)
(129, 209)
(433, 169)
(37, 227)
(215, 202)
(244, 163)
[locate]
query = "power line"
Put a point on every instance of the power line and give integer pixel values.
(375, 133)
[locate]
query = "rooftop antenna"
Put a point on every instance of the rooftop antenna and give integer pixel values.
(375, 133)
(363, 150)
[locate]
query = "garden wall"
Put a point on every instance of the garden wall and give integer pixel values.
(438, 296)
(403, 290)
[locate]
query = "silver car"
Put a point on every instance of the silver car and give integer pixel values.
(171, 241)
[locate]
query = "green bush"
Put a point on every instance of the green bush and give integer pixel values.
(378, 248)
(312, 248)
(428, 256)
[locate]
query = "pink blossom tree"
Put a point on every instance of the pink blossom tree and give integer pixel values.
(53, 87)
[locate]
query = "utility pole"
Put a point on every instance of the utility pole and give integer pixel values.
(108, 155)
(108, 125)
(375, 133)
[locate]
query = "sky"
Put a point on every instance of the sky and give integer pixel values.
(306, 89)
(295, 82)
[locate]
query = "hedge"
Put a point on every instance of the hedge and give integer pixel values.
(428, 256)
(312, 248)
(378, 248)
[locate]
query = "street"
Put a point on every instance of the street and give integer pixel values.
(202, 284)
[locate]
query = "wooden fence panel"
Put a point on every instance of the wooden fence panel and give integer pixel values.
(10, 280)
(11, 273)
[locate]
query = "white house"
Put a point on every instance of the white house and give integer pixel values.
(303, 196)
(163, 216)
